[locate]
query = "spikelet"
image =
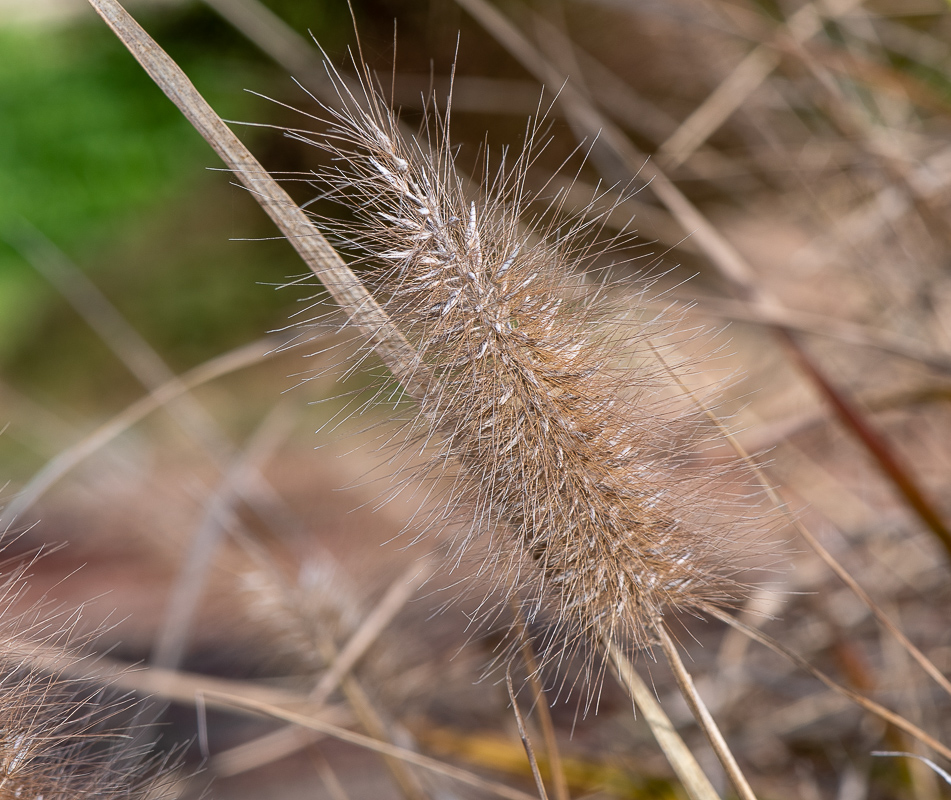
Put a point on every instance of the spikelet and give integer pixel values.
(298, 616)
(564, 461)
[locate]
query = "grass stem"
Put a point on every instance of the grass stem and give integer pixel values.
(702, 714)
(688, 771)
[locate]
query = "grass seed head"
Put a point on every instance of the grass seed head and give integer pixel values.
(544, 403)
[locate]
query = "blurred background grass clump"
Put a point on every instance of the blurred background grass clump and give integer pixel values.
(814, 139)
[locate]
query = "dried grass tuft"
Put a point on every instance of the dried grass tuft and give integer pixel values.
(63, 737)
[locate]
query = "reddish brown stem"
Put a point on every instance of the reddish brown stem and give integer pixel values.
(888, 460)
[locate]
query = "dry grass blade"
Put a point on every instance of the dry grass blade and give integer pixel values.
(923, 661)
(626, 106)
(717, 108)
(688, 771)
(398, 595)
(264, 750)
(888, 460)
(367, 742)
(101, 315)
(316, 252)
(331, 782)
(56, 468)
(372, 722)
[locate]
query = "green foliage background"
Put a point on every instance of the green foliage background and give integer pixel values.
(100, 162)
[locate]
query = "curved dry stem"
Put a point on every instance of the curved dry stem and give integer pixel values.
(369, 743)
(682, 761)
(861, 700)
(56, 468)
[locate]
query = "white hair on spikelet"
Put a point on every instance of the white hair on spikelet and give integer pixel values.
(566, 466)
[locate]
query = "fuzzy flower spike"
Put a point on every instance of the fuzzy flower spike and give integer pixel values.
(564, 464)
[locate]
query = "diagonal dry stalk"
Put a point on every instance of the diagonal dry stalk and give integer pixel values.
(880, 711)
(749, 74)
(364, 311)
(173, 685)
(689, 772)
(242, 357)
(218, 518)
(523, 735)
(556, 765)
(699, 709)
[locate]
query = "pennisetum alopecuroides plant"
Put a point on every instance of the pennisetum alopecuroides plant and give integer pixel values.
(572, 476)
(563, 465)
